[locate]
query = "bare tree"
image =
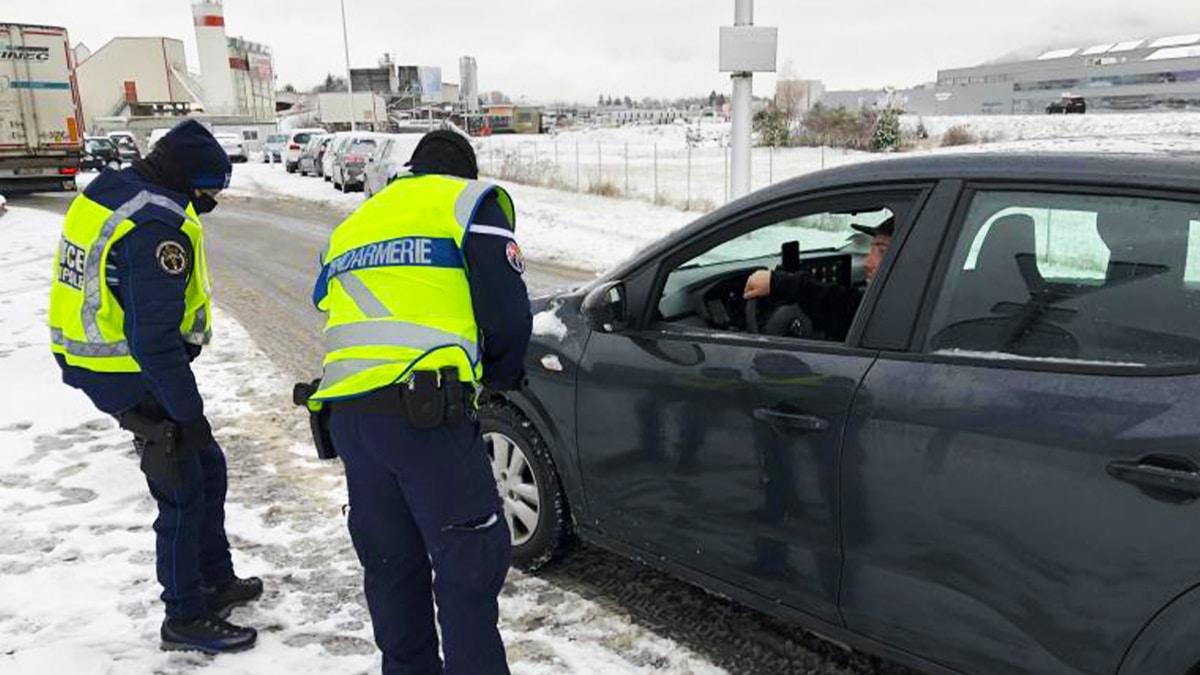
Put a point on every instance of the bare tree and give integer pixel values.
(792, 95)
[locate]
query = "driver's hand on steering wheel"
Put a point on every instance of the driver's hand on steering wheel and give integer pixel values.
(758, 285)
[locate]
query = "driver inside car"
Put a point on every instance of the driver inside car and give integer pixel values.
(831, 306)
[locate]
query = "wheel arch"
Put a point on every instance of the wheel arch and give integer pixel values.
(1167, 644)
(561, 448)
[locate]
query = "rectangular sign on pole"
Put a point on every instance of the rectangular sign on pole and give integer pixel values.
(748, 49)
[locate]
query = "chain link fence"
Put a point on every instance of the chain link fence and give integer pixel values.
(691, 178)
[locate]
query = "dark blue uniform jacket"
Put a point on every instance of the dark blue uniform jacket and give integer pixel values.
(153, 300)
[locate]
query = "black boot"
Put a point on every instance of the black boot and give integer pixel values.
(207, 634)
(236, 593)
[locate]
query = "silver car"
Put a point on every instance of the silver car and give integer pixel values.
(310, 158)
(388, 161)
(350, 163)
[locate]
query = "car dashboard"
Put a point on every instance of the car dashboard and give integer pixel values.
(712, 296)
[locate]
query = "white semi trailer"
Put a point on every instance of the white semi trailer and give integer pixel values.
(41, 126)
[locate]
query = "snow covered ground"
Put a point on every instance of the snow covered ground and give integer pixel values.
(654, 160)
(573, 230)
(77, 588)
(1090, 126)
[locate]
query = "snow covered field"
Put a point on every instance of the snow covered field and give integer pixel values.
(602, 153)
(77, 588)
(580, 231)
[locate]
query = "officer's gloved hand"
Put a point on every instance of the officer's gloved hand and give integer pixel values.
(194, 436)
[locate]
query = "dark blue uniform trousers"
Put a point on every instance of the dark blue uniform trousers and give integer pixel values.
(192, 549)
(420, 508)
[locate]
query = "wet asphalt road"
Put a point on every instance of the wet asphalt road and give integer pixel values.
(263, 255)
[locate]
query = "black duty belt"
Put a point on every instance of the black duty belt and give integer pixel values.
(428, 400)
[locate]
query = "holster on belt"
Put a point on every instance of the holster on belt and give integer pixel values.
(157, 436)
(318, 418)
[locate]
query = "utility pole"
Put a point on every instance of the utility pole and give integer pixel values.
(745, 50)
(349, 80)
(743, 94)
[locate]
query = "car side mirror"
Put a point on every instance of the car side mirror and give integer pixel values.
(604, 309)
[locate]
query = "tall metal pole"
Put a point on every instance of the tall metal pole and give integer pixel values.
(349, 80)
(743, 92)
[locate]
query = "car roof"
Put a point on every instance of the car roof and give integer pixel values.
(1121, 170)
(1128, 170)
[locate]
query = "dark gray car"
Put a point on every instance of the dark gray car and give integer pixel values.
(995, 471)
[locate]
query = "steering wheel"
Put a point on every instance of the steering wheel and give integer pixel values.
(785, 320)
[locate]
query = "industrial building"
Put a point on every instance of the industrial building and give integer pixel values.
(1128, 76)
(135, 77)
(143, 83)
(1162, 74)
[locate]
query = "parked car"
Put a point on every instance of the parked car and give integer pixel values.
(295, 143)
(996, 470)
(1067, 105)
(126, 144)
(99, 152)
(337, 143)
(310, 157)
(273, 148)
(233, 145)
(350, 166)
(388, 161)
(155, 135)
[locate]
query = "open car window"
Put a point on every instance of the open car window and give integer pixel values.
(706, 289)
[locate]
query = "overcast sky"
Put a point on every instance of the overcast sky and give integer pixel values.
(547, 50)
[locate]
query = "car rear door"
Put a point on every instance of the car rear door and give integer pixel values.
(1019, 480)
(717, 450)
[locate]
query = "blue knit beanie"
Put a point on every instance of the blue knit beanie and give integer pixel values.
(197, 154)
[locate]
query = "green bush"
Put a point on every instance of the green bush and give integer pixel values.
(887, 132)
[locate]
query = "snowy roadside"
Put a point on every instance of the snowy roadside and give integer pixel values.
(77, 588)
(564, 228)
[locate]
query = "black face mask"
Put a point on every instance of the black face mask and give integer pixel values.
(204, 203)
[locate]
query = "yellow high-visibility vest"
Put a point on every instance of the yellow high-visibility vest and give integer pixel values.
(87, 323)
(396, 290)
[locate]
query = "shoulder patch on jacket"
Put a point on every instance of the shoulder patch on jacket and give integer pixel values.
(515, 259)
(172, 258)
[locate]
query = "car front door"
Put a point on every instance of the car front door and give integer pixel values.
(1019, 485)
(717, 449)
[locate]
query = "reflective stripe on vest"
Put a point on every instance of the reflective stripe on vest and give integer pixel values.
(395, 287)
(94, 351)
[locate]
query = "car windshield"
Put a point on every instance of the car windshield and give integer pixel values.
(95, 144)
(362, 145)
(821, 231)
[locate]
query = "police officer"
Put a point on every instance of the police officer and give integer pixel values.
(425, 301)
(129, 311)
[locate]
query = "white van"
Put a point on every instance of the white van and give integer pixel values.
(273, 148)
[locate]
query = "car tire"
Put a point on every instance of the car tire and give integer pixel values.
(506, 429)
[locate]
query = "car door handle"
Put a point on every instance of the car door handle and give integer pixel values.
(793, 421)
(1173, 474)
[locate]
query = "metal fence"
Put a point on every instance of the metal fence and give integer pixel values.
(688, 177)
